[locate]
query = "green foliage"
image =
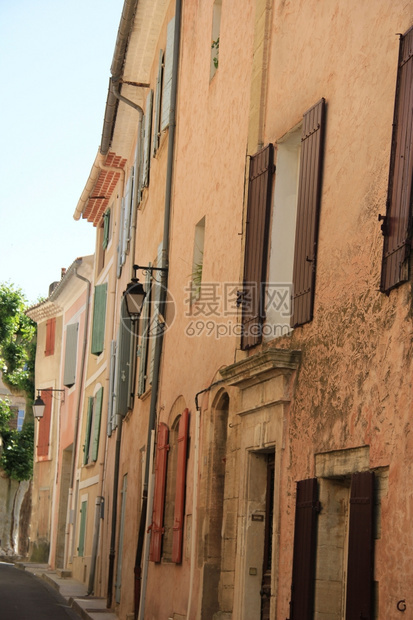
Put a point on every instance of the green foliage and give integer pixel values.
(215, 48)
(17, 341)
(16, 457)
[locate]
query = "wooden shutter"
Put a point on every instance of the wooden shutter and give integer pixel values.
(144, 328)
(82, 528)
(99, 317)
(106, 228)
(50, 336)
(155, 326)
(69, 375)
(118, 585)
(157, 111)
(308, 208)
(125, 361)
(111, 424)
(44, 425)
(147, 138)
(120, 239)
(180, 487)
(397, 225)
(256, 245)
(167, 76)
(305, 534)
(97, 415)
(127, 219)
(359, 602)
(88, 431)
(159, 494)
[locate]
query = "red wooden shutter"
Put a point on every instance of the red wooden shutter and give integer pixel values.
(308, 207)
(159, 494)
(256, 245)
(44, 425)
(180, 488)
(397, 225)
(50, 336)
(305, 533)
(360, 548)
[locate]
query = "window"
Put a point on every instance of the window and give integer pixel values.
(94, 414)
(44, 425)
(50, 336)
(397, 223)
(216, 28)
(20, 419)
(69, 376)
(99, 318)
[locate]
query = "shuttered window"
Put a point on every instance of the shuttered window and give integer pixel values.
(50, 336)
(157, 110)
(360, 567)
(44, 425)
(167, 76)
(256, 245)
(89, 422)
(147, 138)
(126, 362)
(69, 376)
(99, 318)
(144, 335)
(82, 528)
(305, 533)
(308, 207)
(159, 494)
(180, 487)
(397, 224)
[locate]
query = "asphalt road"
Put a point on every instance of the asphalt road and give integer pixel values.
(26, 597)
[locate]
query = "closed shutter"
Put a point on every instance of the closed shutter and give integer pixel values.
(125, 361)
(308, 208)
(147, 138)
(106, 228)
(50, 336)
(305, 533)
(157, 111)
(180, 487)
(256, 245)
(99, 317)
(167, 75)
(159, 494)
(82, 528)
(69, 376)
(88, 432)
(359, 602)
(111, 400)
(97, 415)
(44, 425)
(397, 226)
(143, 344)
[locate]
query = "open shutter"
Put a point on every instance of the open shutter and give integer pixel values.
(44, 425)
(359, 602)
(99, 317)
(256, 245)
(127, 201)
(155, 326)
(167, 76)
(147, 138)
(159, 494)
(82, 528)
(126, 362)
(157, 111)
(69, 376)
(111, 424)
(308, 208)
(397, 225)
(120, 239)
(144, 341)
(305, 533)
(106, 228)
(180, 487)
(96, 423)
(89, 421)
(50, 336)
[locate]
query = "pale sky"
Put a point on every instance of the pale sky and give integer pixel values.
(55, 60)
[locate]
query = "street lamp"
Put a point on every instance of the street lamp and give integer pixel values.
(39, 404)
(134, 295)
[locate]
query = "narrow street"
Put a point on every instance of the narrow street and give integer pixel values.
(26, 597)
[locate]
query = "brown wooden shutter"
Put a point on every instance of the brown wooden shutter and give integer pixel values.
(397, 225)
(50, 336)
(44, 425)
(305, 533)
(180, 487)
(256, 245)
(360, 548)
(159, 494)
(308, 208)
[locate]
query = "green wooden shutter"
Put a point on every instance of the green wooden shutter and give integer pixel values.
(167, 80)
(83, 511)
(96, 423)
(99, 317)
(157, 111)
(88, 430)
(69, 375)
(143, 344)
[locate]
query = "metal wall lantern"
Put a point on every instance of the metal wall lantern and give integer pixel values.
(135, 294)
(39, 404)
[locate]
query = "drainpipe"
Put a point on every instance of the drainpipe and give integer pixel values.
(78, 405)
(159, 337)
